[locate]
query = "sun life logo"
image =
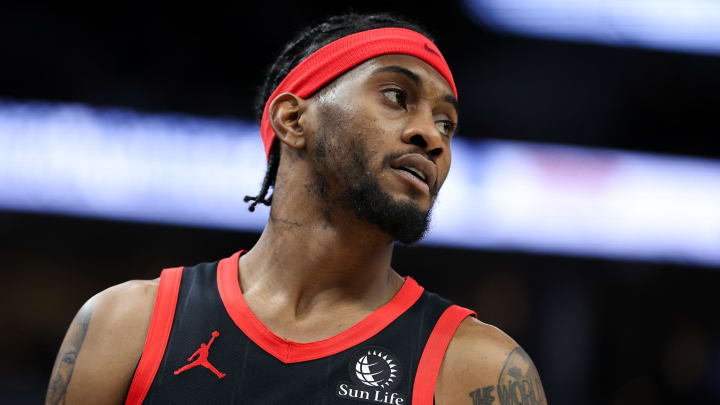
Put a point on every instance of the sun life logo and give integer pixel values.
(376, 368)
(374, 372)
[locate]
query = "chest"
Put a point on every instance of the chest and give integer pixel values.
(217, 352)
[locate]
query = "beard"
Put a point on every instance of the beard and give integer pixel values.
(359, 190)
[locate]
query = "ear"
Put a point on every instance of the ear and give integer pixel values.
(285, 112)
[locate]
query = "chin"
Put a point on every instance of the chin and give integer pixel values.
(403, 218)
(408, 194)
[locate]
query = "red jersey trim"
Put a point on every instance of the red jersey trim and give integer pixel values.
(288, 351)
(434, 352)
(157, 336)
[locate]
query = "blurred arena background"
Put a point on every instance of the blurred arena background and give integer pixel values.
(581, 215)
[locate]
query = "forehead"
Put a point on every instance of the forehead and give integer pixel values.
(430, 77)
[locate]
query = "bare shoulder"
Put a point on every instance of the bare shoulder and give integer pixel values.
(102, 346)
(484, 366)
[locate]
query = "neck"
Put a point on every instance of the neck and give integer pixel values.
(307, 258)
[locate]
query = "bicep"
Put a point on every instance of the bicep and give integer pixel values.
(518, 382)
(483, 366)
(101, 349)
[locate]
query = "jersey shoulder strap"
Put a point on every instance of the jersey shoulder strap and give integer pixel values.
(434, 352)
(157, 336)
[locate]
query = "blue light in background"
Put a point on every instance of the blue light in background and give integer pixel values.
(680, 25)
(178, 169)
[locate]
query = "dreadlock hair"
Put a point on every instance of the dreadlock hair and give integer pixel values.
(304, 44)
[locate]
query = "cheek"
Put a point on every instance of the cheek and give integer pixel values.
(443, 168)
(379, 135)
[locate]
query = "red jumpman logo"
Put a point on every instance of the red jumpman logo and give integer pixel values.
(202, 358)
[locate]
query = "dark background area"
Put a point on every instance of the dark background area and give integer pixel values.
(600, 331)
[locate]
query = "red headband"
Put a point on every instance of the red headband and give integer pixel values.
(341, 55)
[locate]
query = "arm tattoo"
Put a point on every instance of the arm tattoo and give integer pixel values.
(69, 351)
(518, 383)
(483, 396)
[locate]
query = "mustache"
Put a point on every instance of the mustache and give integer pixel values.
(392, 156)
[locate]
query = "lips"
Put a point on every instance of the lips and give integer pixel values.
(418, 166)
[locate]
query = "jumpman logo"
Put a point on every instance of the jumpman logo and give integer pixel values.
(202, 358)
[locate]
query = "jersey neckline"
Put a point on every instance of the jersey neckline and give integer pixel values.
(289, 351)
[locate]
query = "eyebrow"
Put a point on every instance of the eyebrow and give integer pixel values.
(399, 69)
(418, 81)
(452, 100)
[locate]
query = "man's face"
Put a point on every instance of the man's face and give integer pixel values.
(382, 143)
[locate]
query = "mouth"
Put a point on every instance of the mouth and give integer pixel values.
(414, 172)
(418, 170)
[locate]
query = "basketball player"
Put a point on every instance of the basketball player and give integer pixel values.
(357, 117)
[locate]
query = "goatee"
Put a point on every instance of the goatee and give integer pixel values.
(404, 221)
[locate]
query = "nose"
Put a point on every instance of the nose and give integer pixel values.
(421, 131)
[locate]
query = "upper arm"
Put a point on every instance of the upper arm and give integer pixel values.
(484, 366)
(102, 346)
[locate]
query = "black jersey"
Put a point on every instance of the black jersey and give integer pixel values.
(205, 346)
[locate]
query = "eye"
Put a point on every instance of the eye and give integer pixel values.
(446, 127)
(395, 95)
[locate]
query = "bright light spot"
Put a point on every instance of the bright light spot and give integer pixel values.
(683, 25)
(120, 164)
